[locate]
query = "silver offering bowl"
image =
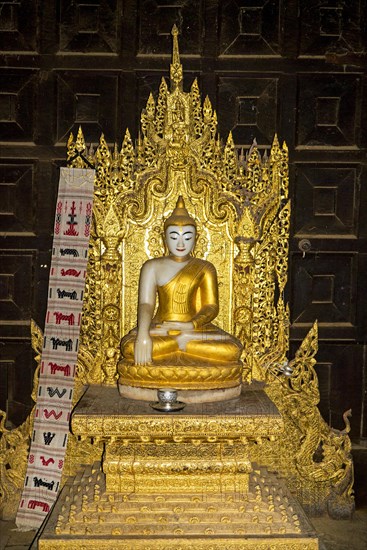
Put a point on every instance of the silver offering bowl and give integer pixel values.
(167, 396)
(167, 401)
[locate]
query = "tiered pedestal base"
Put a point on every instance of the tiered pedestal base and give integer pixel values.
(167, 468)
(177, 480)
(88, 516)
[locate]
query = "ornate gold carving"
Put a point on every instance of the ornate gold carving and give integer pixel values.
(103, 414)
(14, 444)
(178, 468)
(91, 516)
(180, 377)
(316, 459)
(189, 428)
(242, 221)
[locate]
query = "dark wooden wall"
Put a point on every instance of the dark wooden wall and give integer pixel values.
(295, 67)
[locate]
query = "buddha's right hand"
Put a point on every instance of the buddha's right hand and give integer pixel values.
(143, 350)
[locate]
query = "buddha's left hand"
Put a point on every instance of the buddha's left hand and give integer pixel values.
(178, 325)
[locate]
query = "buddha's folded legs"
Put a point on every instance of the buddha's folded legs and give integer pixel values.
(204, 349)
(162, 346)
(224, 350)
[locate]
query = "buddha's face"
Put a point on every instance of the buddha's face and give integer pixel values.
(180, 240)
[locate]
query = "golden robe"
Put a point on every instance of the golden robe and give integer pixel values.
(191, 295)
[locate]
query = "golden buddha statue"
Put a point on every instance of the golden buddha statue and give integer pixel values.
(178, 346)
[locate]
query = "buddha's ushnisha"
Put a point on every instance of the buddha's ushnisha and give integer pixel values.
(187, 290)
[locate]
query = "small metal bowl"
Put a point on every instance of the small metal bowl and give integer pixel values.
(167, 396)
(167, 401)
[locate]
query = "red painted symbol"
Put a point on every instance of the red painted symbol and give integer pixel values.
(72, 223)
(46, 462)
(71, 272)
(63, 368)
(33, 503)
(62, 317)
(48, 414)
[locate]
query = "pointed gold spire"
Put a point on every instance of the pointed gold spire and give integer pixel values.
(80, 142)
(176, 71)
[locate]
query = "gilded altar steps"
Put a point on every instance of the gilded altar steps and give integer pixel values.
(86, 516)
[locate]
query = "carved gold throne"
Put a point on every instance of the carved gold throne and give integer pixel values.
(242, 210)
(240, 203)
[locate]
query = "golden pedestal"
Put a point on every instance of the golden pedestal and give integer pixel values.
(201, 448)
(177, 480)
(88, 516)
(181, 376)
(169, 467)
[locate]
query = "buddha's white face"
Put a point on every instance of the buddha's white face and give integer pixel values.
(180, 240)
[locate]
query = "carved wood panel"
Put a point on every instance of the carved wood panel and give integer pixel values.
(249, 106)
(328, 287)
(286, 66)
(325, 200)
(17, 100)
(155, 19)
(328, 111)
(88, 99)
(331, 26)
(91, 27)
(251, 27)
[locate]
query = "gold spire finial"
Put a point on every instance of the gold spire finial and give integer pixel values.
(179, 216)
(176, 67)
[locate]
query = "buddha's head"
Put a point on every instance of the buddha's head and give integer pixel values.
(180, 231)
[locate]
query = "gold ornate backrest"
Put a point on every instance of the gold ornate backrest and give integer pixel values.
(213, 242)
(242, 215)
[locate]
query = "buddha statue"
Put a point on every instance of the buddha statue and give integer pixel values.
(177, 345)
